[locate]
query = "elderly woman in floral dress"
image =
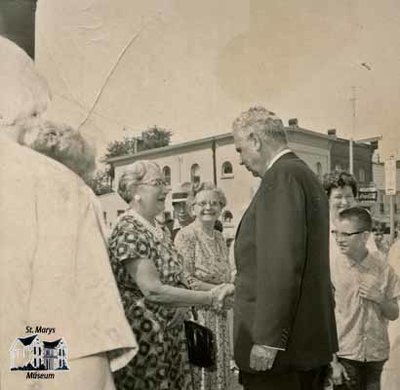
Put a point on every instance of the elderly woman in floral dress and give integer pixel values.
(149, 275)
(206, 263)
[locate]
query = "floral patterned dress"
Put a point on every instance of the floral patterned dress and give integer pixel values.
(162, 360)
(206, 259)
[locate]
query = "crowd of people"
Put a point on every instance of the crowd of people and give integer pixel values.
(311, 293)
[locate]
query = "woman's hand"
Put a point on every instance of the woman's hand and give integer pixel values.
(230, 289)
(181, 314)
(219, 293)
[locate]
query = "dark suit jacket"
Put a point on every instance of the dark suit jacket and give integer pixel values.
(283, 290)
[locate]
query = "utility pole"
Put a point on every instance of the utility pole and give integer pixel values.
(214, 160)
(180, 169)
(391, 189)
(351, 141)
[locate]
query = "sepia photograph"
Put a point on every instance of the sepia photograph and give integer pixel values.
(199, 195)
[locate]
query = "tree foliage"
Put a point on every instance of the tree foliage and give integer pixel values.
(102, 183)
(151, 138)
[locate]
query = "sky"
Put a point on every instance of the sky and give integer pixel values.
(192, 66)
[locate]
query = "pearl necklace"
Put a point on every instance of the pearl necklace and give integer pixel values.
(156, 231)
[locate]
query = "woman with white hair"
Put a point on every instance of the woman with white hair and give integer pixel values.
(150, 279)
(206, 262)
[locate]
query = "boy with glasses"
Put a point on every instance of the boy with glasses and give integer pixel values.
(366, 291)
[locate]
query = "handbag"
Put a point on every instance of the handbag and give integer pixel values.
(200, 343)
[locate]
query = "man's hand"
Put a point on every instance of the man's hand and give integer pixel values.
(229, 302)
(369, 289)
(339, 374)
(262, 357)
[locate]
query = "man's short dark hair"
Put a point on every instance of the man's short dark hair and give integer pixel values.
(339, 179)
(360, 216)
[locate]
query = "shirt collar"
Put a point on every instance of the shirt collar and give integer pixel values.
(277, 157)
(359, 264)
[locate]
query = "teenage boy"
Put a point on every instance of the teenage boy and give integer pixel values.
(366, 291)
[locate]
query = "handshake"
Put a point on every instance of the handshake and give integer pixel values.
(222, 296)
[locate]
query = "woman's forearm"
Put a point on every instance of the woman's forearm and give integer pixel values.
(176, 296)
(197, 284)
(145, 274)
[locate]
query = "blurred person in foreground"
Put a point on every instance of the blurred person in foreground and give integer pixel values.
(65, 145)
(150, 276)
(366, 293)
(55, 271)
(284, 325)
(206, 262)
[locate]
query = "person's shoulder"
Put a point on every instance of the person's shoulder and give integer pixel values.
(219, 236)
(393, 256)
(284, 172)
(42, 167)
(394, 252)
(188, 230)
(127, 220)
(130, 228)
(23, 163)
(293, 164)
(377, 260)
(187, 233)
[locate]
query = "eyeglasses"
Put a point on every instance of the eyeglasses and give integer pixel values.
(211, 203)
(154, 183)
(345, 234)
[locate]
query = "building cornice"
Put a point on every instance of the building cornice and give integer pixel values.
(292, 132)
(170, 148)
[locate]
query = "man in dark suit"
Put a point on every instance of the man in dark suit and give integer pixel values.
(284, 324)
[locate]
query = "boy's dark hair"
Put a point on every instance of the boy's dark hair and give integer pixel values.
(359, 215)
(339, 179)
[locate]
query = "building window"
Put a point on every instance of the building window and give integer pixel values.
(167, 175)
(227, 169)
(382, 208)
(227, 217)
(361, 175)
(105, 217)
(119, 212)
(319, 170)
(195, 174)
